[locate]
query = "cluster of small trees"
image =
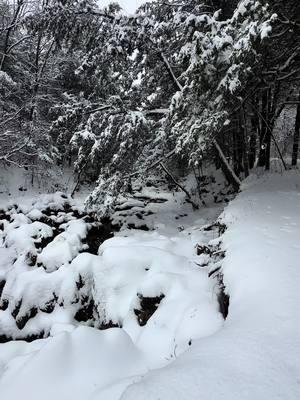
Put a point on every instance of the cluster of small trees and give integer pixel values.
(118, 95)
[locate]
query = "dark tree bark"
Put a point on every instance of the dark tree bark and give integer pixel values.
(9, 30)
(296, 136)
(228, 171)
(245, 143)
(265, 134)
(227, 7)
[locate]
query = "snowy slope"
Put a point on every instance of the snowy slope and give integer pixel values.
(17, 184)
(256, 354)
(42, 296)
(186, 350)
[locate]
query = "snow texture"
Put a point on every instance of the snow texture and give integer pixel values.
(255, 355)
(185, 350)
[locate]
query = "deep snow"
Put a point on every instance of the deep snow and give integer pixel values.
(185, 351)
(256, 354)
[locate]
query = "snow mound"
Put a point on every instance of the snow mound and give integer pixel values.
(79, 365)
(136, 283)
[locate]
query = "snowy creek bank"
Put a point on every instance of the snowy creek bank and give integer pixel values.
(48, 267)
(141, 297)
(256, 354)
(38, 239)
(163, 294)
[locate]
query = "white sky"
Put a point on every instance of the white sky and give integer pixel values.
(128, 5)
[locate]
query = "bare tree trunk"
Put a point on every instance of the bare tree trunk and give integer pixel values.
(268, 117)
(268, 131)
(265, 138)
(245, 144)
(8, 33)
(296, 137)
(253, 137)
(169, 173)
(227, 169)
(235, 150)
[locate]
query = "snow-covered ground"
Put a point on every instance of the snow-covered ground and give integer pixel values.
(256, 354)
(185, 350)
(18, 185)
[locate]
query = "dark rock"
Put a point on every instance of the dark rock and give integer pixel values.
(28, 338)
(50, 305)
(97, 234)
(139, 227)
(5, 215)
(86, 312)
(108, 325)
(211, 273)
(223, 297)
(22, 321)
(31, 259)
(148, 306)
(79, 283)
(16, 310)
(202, 249)
(4, 304)
(2, 284)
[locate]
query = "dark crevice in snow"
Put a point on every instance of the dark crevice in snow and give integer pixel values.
(17, 308)
(99, 232)
(31, 259)
(221, 228)
(211, 273)
(149, 199)
(4, 215)
(2, 284)
(223, 297)
(86, 311)
(216, 273)
(213, 256)
(203, 249)
(3, 304)
(143, 227)
(147, 307)
(28, 338)
(108, 325)
(49, 307)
